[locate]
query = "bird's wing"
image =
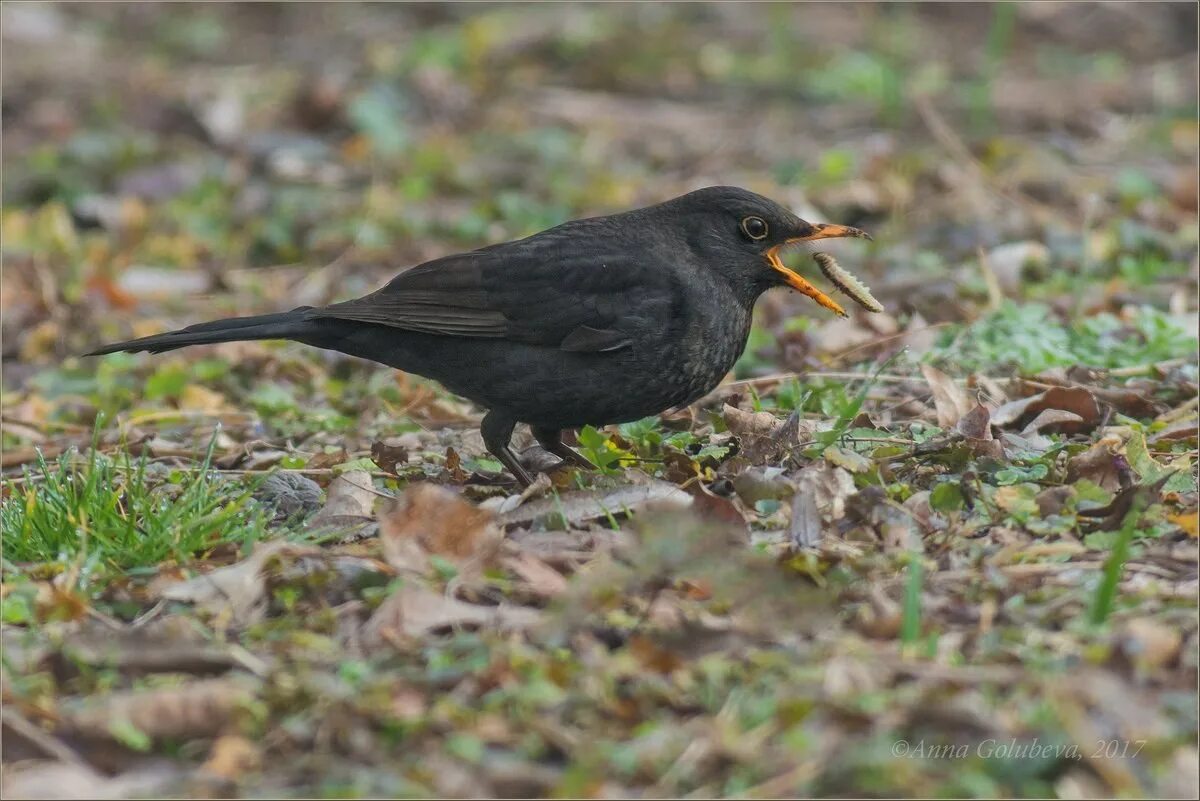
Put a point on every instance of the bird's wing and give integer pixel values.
(548, 295)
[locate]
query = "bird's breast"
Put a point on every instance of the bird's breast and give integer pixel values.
(701, 345)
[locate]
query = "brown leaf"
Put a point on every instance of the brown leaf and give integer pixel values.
(1053, 500)
(429, 520)
(198, 709)
(238, 594)
(1050, 417)
(975, 424)
(1184, 431)
(720, 510)
(949, 398)
(324, 461)
(756, 484)
(348, 506)
(540, 579)
(237, 590)
(829, 487)
(1149, 644)
(1102, 464)
(388, 456)
(47, 779)
(1071, 399)
(454, 467)
(880, 617)
(651, 655)
(764, 437)
(585, 505)
(414, 610)
(804, 529)
(232, 756)
(750, 424)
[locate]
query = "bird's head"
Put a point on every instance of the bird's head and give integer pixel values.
(742, 235)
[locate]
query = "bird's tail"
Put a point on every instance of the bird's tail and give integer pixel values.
(294, 324)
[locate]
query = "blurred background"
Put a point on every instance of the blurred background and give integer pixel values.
(1029, 174)
(177, 161)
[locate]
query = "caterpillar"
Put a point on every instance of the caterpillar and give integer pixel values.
(847, 283)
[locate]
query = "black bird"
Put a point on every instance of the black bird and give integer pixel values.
(595, 321)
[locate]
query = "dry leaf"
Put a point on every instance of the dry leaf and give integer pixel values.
(198, 709)
(414, 610)
(831, 486)
(1050, 417)
(1070, 399)
(237, 590)
(1188, 522)
(232, 756)
(46, 779)
(804, 529)
(429, 520)
(720, 510)
(1102, 463)
(764, 437)
(540, 579)
(202, 399)
(348, 504)
(585, 505)
(949, 398)
(975, 424)
(388, 456)
(1149, 644)
(748, 425)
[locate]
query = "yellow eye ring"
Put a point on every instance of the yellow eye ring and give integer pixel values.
(755, 228)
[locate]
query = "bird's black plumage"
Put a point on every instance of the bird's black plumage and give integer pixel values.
(595, 321)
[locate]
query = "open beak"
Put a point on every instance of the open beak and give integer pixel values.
(820, 231)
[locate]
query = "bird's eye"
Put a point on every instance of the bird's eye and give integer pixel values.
(755, 228)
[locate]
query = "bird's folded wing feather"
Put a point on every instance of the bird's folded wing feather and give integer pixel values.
(588, 303)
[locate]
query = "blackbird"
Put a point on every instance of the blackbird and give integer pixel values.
(595, 321)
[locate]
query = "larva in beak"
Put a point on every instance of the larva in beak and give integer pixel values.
(846, 283)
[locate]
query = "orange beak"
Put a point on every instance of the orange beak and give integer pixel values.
(820, 231)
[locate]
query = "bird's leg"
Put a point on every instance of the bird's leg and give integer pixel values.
(551, 440)
(497, 430)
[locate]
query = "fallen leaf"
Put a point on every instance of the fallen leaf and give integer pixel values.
(197, 709)
(1184, 431)
(48, 779)
(880, 617)
(197, 398)
(1149, 644)
(756, 484)
(414, 610)
(1188, 522)
(238, 589)
(429, 520)
(1050, 417)
(540, 579)
(850, 460)
(232, 756)
(1103, 463)
(1076, 400)
(745, 424)
(388, 456)
(975, 424)
(949, 398)
(348, 504)
(325, 460)
(762, 436)
(238, 594)
(720, 510)
(804, 528)
(584, 505)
